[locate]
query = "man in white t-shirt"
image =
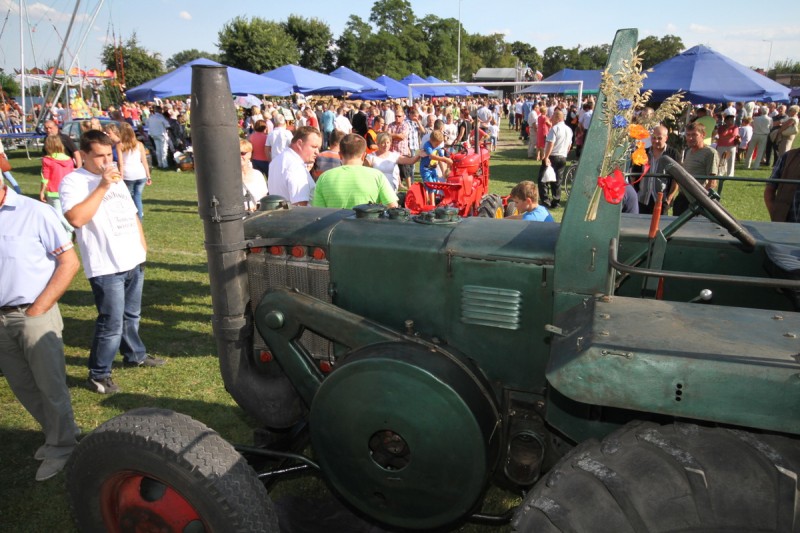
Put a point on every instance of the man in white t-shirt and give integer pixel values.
(556, 147)
(279, 138)
(288, 173)
(97, 203)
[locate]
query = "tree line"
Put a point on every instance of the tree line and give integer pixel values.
(392, 41)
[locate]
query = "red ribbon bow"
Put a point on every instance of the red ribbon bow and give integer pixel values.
(613, 186)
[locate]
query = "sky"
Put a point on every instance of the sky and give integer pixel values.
(748, 32)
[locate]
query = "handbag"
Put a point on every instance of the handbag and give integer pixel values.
(549, 175)
(5, 166)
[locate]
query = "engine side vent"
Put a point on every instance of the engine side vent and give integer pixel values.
(266, 271)
(490, 306)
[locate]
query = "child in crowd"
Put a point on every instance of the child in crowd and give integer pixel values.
(433, 153)
(494, 133)
(526, 199)
(55, 165)
(745, 136)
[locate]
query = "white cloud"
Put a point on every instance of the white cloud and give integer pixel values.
(185, 15)
(671, 28)
(699, 28)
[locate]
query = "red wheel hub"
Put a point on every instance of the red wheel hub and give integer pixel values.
(132, 502)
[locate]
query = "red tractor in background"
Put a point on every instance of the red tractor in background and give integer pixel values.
(466, 188)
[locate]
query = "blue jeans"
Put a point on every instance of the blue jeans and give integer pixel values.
(118, 298)
(135, 187)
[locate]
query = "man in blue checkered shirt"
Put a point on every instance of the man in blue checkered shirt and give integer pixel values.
(415, 130)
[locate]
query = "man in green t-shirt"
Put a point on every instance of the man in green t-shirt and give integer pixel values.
(352, 183)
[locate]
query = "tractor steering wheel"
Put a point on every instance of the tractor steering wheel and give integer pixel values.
(712, 208)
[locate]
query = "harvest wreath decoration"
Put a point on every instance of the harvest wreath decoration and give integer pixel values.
(626, 128)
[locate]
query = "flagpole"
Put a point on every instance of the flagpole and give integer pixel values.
(22, 69)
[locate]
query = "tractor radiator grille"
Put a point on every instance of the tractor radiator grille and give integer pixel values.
(490, 306)
(312, 277)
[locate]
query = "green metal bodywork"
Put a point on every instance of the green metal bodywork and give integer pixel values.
(515, 308)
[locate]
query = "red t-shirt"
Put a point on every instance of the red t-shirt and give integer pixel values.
(727, 136)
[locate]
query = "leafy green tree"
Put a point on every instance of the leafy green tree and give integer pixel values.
(442, 40)
(8, 84)
(350, 45)
(556, 58)
(492, 49)
(593, 57)
(314, 40)
(256, 45)
(140, 65)
(527, 55)
(184, 56)
(394, 16)
(654, 50)
(398, 25)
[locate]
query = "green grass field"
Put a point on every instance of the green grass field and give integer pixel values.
(176, 325)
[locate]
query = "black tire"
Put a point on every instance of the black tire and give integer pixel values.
(150, 464)
(511, 209)
(491, 206)
(682, 477)
(567, 181)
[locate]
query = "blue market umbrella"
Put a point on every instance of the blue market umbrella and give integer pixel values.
(179, 82)
(449, 91)
(392, 89)
(346, 74)
(425, 91)
(306, 81)
(706, 76)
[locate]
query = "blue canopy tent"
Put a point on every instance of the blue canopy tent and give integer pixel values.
(392, 89)
(305, 81)
(590, 79)
(346, 74)
(424, 91)
(449, 91)
(475, 90)
(179, 82)
(706, 76)
(795, 91)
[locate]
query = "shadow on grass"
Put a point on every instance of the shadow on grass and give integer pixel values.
(176, 316)
(200, 268)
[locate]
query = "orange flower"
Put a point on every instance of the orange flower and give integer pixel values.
(637, 131)
(639, 156)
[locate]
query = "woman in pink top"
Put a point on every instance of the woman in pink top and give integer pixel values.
(259, 141)
(542, 129)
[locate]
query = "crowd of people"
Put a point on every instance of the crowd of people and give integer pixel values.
(326, 154)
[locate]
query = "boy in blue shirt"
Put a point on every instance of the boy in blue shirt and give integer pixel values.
(526, 198)
(433, 154)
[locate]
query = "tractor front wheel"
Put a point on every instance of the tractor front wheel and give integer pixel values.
(680, 477)
(157, 470)
(491, 206)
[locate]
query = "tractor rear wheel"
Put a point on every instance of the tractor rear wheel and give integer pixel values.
(491, 206)
(680, 477)
(157, 470)
(568, 180)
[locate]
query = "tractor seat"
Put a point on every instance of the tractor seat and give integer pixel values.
(783, 261)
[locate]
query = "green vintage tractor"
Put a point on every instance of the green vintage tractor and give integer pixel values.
(529, 355)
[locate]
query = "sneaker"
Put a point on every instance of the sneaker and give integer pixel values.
(102, 385)
(50, 467)
(148, 360)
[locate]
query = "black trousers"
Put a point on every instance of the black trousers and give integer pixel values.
(550, 193)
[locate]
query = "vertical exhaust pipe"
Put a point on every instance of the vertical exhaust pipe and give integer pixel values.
(215, 137)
